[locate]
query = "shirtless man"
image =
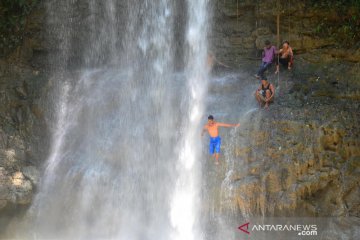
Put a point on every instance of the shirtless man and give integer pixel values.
(215, 140)
(286, 56)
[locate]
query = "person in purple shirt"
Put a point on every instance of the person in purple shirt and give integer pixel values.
(268, 57)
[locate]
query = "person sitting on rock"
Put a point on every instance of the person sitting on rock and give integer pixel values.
(286, 57)
(215, 140)
(265, 93)
(268, 57)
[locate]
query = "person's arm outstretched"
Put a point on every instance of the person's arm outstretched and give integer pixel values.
(221, 64)
(227, 125)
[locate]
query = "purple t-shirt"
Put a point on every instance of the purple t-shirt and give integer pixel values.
(269, 54)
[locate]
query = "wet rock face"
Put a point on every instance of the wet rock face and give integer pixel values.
(298, 159)
(299, 162)
(23, 130)
(240, 29)
(243, 26)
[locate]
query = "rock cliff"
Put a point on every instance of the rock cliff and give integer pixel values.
(23, 129)
(299, 161)
(326, 42)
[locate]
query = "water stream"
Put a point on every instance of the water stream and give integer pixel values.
(124, 155)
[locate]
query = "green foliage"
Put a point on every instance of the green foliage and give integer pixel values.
(344, 23)
(12, 22)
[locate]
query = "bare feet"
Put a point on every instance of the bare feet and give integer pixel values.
(267, 106)
(277, 71)
(216, 162)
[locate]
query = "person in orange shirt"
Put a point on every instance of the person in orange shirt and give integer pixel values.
(215, 140)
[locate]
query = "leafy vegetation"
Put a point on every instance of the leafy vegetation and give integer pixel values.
(344, 24)
(12, 22)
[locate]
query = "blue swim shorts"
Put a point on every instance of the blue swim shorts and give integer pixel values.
(214, 145)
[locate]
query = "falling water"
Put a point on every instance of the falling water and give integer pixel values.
(184, 201)
(124, 157)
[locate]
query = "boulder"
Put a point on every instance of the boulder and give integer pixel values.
(31, 173)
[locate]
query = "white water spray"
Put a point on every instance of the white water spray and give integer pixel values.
(124, 160)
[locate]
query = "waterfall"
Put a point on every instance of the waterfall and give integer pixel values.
(124, 158)
(185, 199)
